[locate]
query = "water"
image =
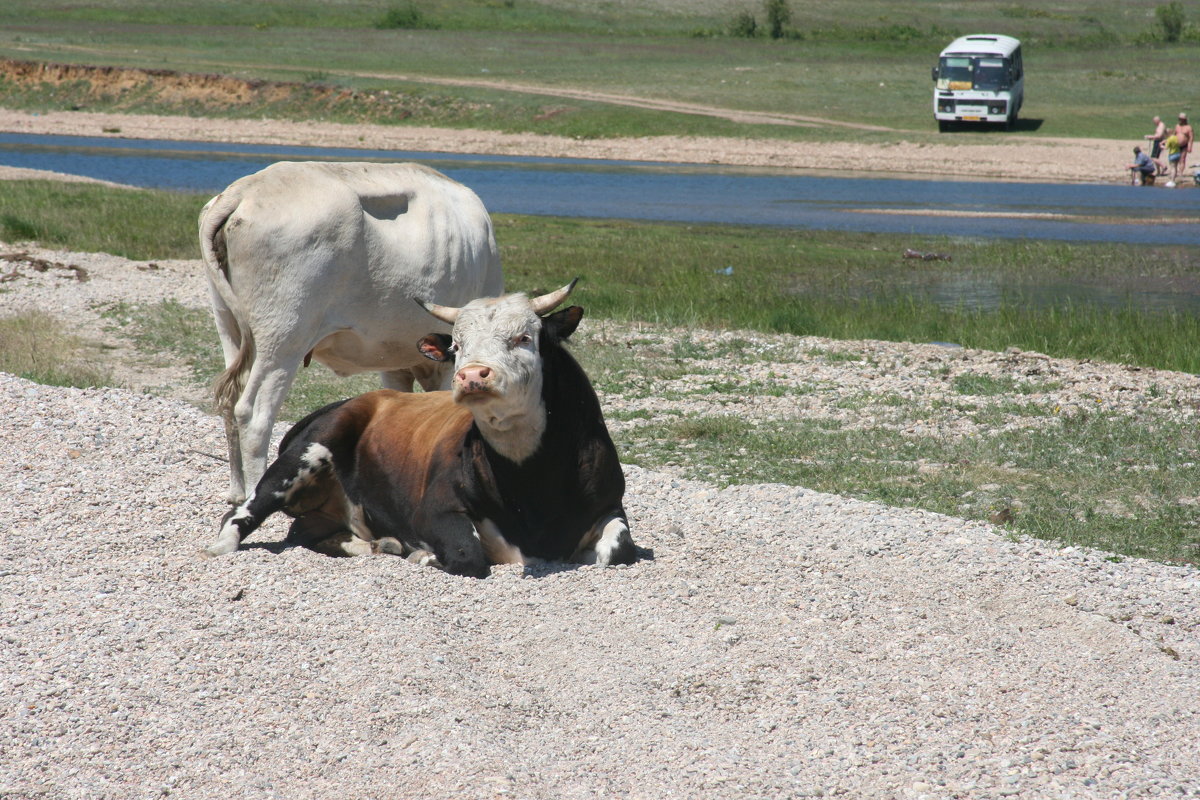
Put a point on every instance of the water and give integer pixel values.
(701, 194)
(672, 192)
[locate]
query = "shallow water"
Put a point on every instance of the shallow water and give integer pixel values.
(673, 192)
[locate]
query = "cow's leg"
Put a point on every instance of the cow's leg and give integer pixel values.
(286, 479)
(456, 547)
(434, 376)
(608, 543)
(230, 336)
(327, 534)
(266, 387)
(237, 478)
(400, 380)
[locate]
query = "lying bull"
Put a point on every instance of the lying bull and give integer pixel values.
(514, 463)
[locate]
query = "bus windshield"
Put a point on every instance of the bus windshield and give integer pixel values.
(986, 73)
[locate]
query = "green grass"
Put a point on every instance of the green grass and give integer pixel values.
(1067, 22)
(1005, 450)
(822, 283)
(856, 286)
(95, 218)
(1101, 480)
(1088, 64)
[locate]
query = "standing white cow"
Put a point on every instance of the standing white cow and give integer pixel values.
(322, 260)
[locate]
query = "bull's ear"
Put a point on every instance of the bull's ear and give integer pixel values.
(435, 347)
(562, 324)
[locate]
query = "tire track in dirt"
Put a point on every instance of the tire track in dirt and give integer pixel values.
(631, 101)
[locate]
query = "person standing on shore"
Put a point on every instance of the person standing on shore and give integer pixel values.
(1171, 145)
(1183, 132)
(1156, 143)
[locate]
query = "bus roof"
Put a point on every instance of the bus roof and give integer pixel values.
(992, 44)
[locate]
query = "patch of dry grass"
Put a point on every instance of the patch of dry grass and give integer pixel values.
(36, 346)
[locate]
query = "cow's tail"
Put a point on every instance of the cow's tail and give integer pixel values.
(213, 250)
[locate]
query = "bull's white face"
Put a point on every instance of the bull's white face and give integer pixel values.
(497, 364)
(498, 372)
(496, 360)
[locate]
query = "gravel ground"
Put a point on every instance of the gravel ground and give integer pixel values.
(782, 643)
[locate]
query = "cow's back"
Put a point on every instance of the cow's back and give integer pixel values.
(359, 234)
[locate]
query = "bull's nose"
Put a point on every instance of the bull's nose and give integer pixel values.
(473, 374)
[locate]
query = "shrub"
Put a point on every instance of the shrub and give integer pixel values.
(744, 25)
(408, 17)
(778, 16)
(1170, 17)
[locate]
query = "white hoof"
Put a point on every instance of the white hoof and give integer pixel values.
(226, 543)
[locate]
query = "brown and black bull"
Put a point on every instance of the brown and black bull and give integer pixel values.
(513, 463)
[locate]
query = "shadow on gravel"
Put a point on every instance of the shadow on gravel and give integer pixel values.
(540, 569)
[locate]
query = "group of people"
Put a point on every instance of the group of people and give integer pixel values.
(1177, 142)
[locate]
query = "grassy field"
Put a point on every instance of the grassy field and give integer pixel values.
(1089, 64)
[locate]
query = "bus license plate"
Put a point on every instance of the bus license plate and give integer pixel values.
(971, 119)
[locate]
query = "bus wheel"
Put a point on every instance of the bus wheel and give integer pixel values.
(943, 126)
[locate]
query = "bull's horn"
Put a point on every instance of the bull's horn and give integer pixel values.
(548, 302)
(446, 314)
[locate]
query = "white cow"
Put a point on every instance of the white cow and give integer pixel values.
(323, 260)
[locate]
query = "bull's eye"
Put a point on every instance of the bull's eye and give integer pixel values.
(454, 348)
(521, 340)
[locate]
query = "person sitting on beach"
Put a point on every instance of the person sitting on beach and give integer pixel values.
(1156, 142)
(1142, 169)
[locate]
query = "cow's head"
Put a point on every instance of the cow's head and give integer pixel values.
(496, 345)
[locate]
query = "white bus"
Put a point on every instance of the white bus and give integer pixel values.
(979, 78)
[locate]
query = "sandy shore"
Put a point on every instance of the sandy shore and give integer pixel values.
(1015, 157)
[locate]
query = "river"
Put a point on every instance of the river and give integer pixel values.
(664, 191)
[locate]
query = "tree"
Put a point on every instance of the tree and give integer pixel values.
(1170, 17)
(779, 15)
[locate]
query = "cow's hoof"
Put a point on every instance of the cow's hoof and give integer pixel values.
(424, 558)
(388, 545)
(220, 547)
